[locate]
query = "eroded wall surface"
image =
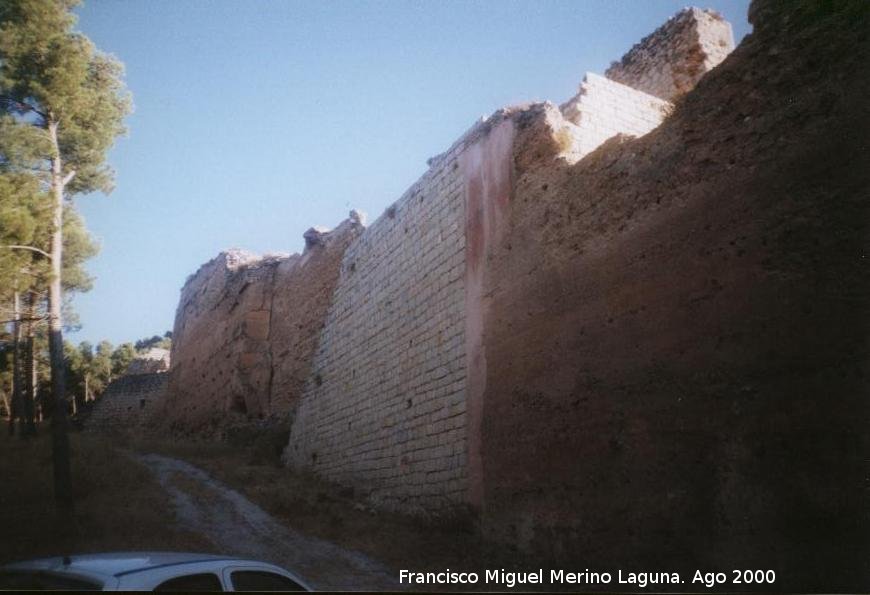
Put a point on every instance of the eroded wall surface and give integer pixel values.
(245, 332)
(676, 341)
(384, 408)
(220, 362)
(670, 62)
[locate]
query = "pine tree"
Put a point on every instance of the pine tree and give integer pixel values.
(19, 224)
(71, 100)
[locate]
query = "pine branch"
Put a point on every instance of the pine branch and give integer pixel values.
(25, 319)
(31, 248)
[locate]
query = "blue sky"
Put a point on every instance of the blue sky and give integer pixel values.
(257, 120)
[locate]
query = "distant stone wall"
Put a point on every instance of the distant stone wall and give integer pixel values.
(126, 402)
(670, 62)
(154, 360)
(604, 108)
(384, 407)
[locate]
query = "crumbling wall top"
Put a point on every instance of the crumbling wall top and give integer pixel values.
(155, 360)
(669, 62)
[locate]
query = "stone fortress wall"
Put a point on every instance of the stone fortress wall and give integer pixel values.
(675, 327)
(669, 62)
(152, 361)
(662, 349)
(245, 329)
(604, 108)
(388, 376)
(390, 405)
(385, 404)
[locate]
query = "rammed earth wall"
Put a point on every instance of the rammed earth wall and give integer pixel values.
(676, 326)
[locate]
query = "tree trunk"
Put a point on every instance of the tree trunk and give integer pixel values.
(15, 404)
(29, 395)
(60, 452)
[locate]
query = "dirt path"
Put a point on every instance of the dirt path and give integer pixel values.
(239, 527)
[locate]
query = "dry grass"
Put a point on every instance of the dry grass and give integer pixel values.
(317, 508)
(119, 506)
